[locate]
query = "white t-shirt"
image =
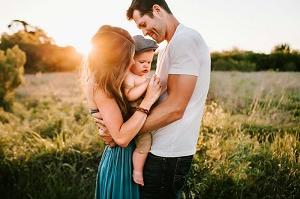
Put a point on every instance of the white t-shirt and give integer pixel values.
(186, 54)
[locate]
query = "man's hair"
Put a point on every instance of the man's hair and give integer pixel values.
(145, 7)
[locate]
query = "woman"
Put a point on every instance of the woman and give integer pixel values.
(108, 63)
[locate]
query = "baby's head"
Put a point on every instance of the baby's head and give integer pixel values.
(144, 52)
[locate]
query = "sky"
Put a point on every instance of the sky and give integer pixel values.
(256, 25)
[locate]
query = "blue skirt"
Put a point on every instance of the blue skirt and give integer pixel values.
(114, 178)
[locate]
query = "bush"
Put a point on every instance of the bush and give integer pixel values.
(230, 65)
(282, 58)
(11, 74)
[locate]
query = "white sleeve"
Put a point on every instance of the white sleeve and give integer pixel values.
(184, 56)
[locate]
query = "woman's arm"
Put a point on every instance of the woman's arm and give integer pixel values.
(123, 132)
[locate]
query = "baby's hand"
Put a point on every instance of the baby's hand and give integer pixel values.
(147, 81)
(153, 89)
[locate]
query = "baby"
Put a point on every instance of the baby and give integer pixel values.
(135, 85)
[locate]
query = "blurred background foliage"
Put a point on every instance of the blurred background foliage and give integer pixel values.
(42, 54)
(12, 62)
(281, 58)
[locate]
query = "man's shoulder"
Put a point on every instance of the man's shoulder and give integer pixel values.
(187, 35)
(185, 30)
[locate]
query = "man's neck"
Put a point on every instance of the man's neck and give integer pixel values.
(172, 25)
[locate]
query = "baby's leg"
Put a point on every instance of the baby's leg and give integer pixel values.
(138, 160)
(143, 145)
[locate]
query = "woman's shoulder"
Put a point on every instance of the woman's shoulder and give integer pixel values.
(94, 92)
(101, 93)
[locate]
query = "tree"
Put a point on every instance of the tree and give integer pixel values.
(26, 33)
(41, 52)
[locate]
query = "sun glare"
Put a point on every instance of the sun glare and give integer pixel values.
(84, 49)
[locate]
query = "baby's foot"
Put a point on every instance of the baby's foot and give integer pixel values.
(138, 177)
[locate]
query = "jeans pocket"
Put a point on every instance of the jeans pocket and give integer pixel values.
(182, 169)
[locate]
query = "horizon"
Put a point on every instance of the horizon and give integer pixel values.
(248, 25)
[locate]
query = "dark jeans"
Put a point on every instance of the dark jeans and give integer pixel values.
(165, 177)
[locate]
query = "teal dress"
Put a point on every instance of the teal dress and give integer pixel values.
(114, 178)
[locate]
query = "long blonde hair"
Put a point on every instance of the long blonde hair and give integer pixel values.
(108, 63)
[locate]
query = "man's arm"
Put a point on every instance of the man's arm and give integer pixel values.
(180, 89)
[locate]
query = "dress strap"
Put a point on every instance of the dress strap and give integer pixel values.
(92, 111)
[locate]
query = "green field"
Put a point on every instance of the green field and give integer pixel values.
(248, 147)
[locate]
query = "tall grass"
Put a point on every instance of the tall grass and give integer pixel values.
(49, 149)
(248, 147)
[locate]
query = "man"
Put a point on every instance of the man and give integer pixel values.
(184, 71)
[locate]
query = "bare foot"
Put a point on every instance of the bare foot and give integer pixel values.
(138, 177)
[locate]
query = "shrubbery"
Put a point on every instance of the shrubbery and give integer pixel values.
(11, 74)
(231, 64)
(282, 58)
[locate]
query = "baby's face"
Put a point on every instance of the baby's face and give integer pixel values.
(142, 65)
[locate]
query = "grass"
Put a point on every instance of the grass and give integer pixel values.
(248, 147)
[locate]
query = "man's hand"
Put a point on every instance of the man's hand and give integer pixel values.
(103, 131)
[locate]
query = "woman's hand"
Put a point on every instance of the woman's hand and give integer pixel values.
(153, 90)
(103, 131)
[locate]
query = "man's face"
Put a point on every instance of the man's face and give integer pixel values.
(152, 27)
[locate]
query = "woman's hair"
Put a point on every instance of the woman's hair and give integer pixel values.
(108, 62)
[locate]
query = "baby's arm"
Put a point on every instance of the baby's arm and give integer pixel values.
(133, 92)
